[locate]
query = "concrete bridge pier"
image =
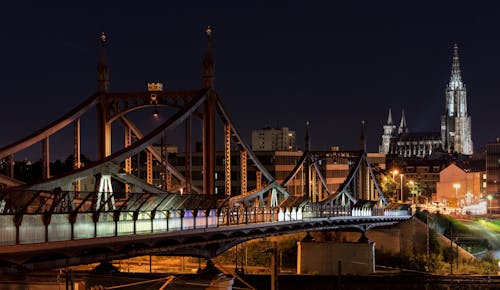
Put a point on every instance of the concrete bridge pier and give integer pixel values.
(335, 258)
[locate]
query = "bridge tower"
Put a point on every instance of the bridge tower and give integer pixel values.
(209, 119)
(103, 126)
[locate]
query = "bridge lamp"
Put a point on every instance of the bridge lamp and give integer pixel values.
(156, 114)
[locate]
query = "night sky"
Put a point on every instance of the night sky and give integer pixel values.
(333, 63)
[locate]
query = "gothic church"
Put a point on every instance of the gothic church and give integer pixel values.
(455, 135)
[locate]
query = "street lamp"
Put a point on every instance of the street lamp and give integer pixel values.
(490, 197)
(412, 184)
(394, 173)
(456, 186)
(401, 176)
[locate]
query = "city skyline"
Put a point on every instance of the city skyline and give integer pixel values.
(333, 65)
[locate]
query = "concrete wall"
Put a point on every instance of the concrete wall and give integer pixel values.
(407, 236)
(322, 258)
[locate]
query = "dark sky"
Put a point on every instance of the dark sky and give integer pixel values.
(278, 63)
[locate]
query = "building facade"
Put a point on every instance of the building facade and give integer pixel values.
(273, 139)
(455, 134)
(460, 185)
(493, 170)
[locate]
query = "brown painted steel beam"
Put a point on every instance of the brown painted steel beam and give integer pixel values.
(76, 151)
(243, 171)
(188, 161)
(46, 158)
(227, 158)
(209, 143)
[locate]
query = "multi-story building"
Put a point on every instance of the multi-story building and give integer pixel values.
(493, 171)
(279, 164)
(422, 173)
(455, 130)
(273, 139)
(461, 184)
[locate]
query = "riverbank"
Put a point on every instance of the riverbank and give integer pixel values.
(379, 281)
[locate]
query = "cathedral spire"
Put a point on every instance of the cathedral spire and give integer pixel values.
(389, 118)
(402, 124)
(102, 67)
(456, 77)
(208, 63)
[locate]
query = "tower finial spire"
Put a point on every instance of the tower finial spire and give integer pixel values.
(402, 125)
(456, 76)
(389, 118)
(102, 67)
(208, 64)
(362, 139)
(307, 139)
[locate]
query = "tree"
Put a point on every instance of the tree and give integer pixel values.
(388, 185)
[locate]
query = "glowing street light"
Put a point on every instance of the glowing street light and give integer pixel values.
(412, 186)
(156, 114)
(456, 186)
(490, 198)
(401, 176)
(394, 173)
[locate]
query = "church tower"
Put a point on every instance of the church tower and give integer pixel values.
(389, 130)
(402, 125)
(456, 123)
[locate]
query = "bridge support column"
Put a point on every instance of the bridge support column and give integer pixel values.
(167, 217)
(188, 162)
(47, 216)
(116, 218)
(153, 214)
(72, 220)
(18, 220)
(182, 212)
(103, 131)
(76, 152)
(243, 171)
(195, 214)
(128, 161)
(274, 265)
(209, 144)
(149, 168)
(46, 158)
(10, 164)
(258, 179)
(227, 158)
(135, 216)
(165, 182)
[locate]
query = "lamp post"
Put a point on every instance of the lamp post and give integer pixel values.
(412, 187)
(394, 173)
(490, 197)
(456, 186)
(401, 176)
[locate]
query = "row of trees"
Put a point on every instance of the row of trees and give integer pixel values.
(29, 172)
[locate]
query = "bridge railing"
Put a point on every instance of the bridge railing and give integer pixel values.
(322, 211)
(39, 228)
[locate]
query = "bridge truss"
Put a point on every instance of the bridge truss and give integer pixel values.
(121, 203)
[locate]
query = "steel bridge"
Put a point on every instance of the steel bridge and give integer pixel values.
(54, 223)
